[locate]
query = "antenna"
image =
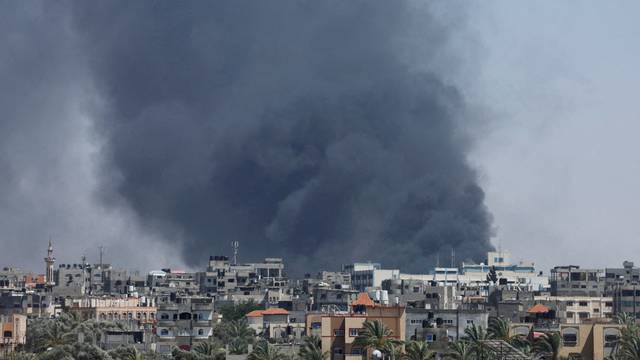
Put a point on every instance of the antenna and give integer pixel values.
(235, 245)
(101, 248)
(438, 259)
(453, 257)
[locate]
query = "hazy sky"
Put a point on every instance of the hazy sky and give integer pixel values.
(556, 82)
(560, 156)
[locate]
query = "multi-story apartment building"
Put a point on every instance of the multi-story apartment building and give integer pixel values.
(14, 332)
(366, 276)
(330, 299)
(275, 323)
(28, 303)
(124, 309)
(183, 321)
(571, 280)
(579, 309)
(421, 322)
(595, 341)
(338, 331)
(226, 279)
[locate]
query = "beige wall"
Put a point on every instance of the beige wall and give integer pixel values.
(15, 326)
(335, 331)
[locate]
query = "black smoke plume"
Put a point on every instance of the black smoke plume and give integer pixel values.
(304, 129)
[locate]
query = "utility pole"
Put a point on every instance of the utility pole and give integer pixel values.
(235, 245)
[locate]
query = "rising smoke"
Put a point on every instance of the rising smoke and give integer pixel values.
(303, 129)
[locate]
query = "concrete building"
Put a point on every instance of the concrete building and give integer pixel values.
(14, 332)
(571, 280)
(183, 321)
(339, 330)
(579, 309)
(595, 341)
(365, 276)
(29, 303)
(327, 299)
(274, 323)
(243, 281)
(135, 311)
(420, 323)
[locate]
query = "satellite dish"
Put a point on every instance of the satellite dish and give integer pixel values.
(377, 354)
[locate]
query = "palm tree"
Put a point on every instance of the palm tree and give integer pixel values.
(477, 337)
(265, 351)
(460, 350)
(57, 334)
(238, 347)
(376, 335)
(500, 328)
(418, 350)
(125, 353)
(210, 349)
(625, 318)
(548, 345)
(311, 349)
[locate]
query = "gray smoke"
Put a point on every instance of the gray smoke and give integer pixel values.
(304, 129)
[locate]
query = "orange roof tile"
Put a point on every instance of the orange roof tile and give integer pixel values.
(363, 300)
(255, 313)
(271, 311)
(538, 309)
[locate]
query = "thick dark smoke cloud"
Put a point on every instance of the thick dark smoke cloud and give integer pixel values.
(304, 129)
(47, 151)
(300, 128)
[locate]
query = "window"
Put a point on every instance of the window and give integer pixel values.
(292, 320)
(338, 351)
(164, 332)
(316, 325)
(569, 303)
(338, 332)
(356, 351)
(582, 303)
(583, 315)
(569, 315)
(469, 322)
(430, 337)
(200, 332)
(611, 337)
(353, 332)
(596, 310)
(570, 337)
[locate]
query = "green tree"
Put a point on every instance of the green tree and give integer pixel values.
(477, 337)
(210, 349)
(311, 349)
(499, 328)
(265, 351)
(125, 353)
(418, 350)
(376, 335)
(460, 350)
(548, 345)
(237, 334)
(238, 311)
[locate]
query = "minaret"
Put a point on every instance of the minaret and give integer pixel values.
(49, 260)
